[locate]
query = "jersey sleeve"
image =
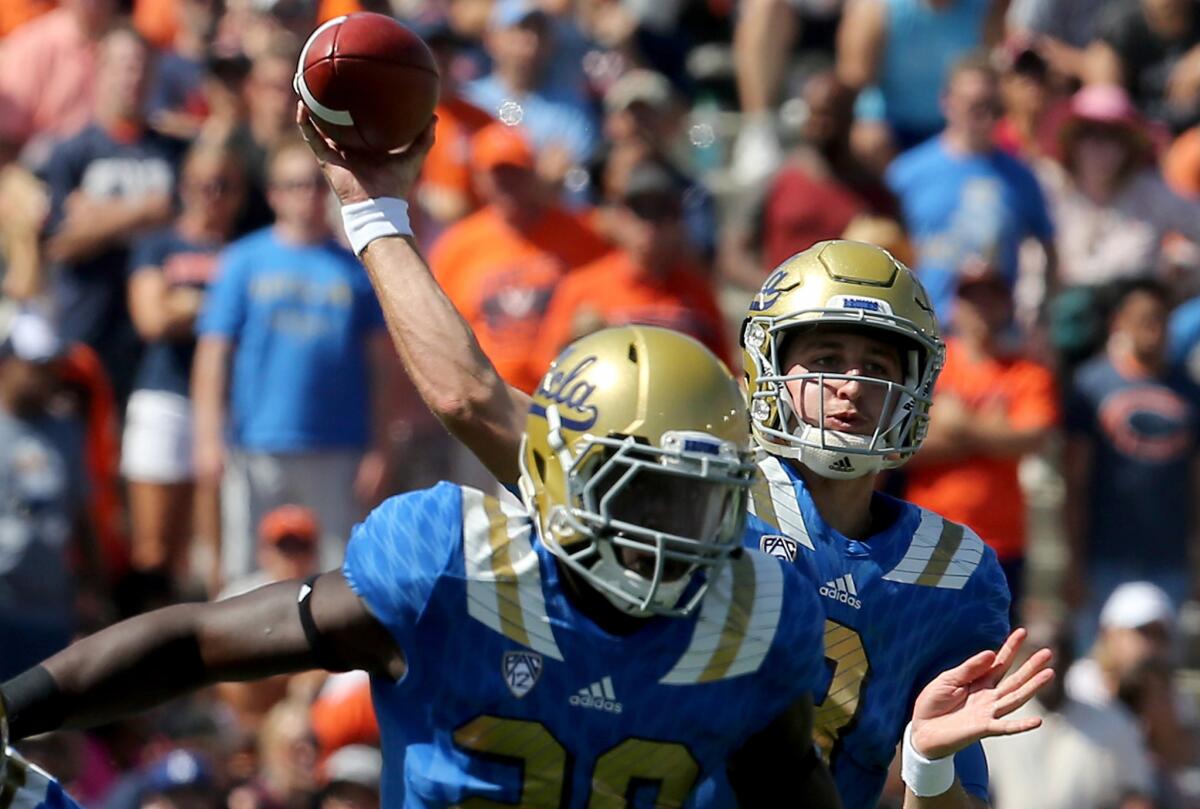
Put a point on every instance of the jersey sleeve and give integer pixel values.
(396, 556)
(970, 765)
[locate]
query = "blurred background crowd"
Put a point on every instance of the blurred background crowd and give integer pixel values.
(198, 396)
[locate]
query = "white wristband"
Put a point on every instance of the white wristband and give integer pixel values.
(374, 219)
(925, 777)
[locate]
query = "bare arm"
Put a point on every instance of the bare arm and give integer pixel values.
(91, 225)
(154, 657)
(781, 759)
(860, 42)
(159, 311)
(762, 41)
(210, 383)
(1102, 64)
(454, 377)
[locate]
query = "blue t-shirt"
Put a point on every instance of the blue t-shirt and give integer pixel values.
(962, 206)
(1144, 437)
(512, 695)
(299, 316)
(167, 364)
(921, 46)
(550, 115)
(1184, 338)
(90, 293)
(917, 598)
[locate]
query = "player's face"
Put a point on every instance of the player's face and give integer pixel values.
(850, 405)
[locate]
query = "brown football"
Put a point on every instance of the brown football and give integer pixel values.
(369, 83)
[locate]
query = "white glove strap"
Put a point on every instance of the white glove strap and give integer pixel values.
(373, 219)
(925, 777)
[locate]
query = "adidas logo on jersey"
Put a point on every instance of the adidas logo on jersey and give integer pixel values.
(842, 464)
(598, 695)
(842, 590)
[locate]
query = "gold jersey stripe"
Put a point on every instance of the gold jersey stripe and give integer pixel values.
(943, 553)
(737, 621)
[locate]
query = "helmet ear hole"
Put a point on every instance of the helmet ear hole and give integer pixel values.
(633, 353)
(539, 463)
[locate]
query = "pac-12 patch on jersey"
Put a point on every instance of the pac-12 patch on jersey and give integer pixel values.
(779, 546)
(521, 671)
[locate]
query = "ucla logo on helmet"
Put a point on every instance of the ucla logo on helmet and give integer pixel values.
(521, 671)
(564, 385)
(770, 293)
(873, 305)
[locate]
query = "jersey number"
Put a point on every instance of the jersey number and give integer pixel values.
(543, 763)
(851, 669)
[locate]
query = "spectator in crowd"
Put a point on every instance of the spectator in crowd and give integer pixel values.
(501, 264)
(1131, 425)
(262, 120)
(992, 406)
(169, 273)
(1152, 48)
(819, 190)
(1060, 31)
(26, 204)
(1110, 206)
(342, 713)
(763, 45)
(898, 55)
(176, 102)
(1031, 116)
(963, 200)
(109, 185)
(352, 776)
(41, 498)
(1084, 756)
(519, 89)
(290, 372)
(179, 780)
(287, 549)
(16, 13)
(1131, 667)
(446, 193)
(647, 280)
(287, 756)
(48, 68)
(642, 119)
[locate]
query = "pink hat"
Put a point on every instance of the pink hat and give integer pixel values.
(1107, 106)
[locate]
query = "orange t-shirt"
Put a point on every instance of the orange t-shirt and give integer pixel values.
(984, 493)
(157, 21)
(447, 166)
(1181, 164)
(15, 12)
(615, 291)
(501, 280)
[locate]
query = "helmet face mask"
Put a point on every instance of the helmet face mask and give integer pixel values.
(646, 501)
(845, 287)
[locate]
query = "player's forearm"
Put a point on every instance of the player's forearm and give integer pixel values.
(954, 798)
(155, 657)
(451, 373)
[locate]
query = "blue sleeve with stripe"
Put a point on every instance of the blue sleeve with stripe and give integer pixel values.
(396, 556)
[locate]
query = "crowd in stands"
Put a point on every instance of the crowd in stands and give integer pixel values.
(198, 394)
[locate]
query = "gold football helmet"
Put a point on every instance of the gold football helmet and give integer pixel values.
(848, 285)
(635, 466)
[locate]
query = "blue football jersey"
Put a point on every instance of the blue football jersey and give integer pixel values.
(900, 608)
(26, 786)
(513, 696)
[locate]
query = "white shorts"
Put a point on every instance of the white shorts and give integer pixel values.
(157, 444)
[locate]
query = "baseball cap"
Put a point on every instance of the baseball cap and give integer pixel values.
(290, 522)
(639, 85)
(33, 337)
(1137, 604)
(179, 769)
(500, 145)
(507, 13)
(355, 764)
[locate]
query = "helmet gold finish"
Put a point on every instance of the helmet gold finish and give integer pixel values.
(637, 441)
(850, 285)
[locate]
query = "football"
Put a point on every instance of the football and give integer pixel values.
(369, 83)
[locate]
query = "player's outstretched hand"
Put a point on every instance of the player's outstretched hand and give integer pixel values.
(358, 176)
(969, 702)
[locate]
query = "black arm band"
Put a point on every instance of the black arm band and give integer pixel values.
(323, 652)
(34, 703)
